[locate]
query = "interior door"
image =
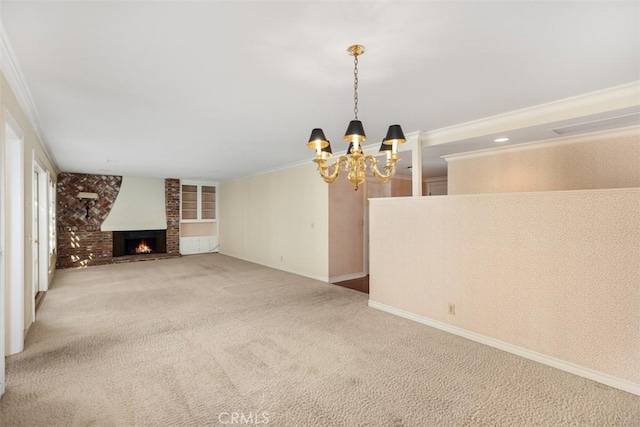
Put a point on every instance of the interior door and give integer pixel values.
(35, 235)
(43, 229)
(2, 243)
(16, 246)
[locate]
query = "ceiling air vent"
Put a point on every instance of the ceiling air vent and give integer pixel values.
(603, 124)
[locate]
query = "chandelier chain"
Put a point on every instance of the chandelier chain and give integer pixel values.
(355, 86)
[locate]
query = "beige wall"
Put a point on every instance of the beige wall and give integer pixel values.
(401, 186)
(197, 229)
(557, 272)
(346, 233)
(278, 219)
(602, 160)
(32, 145)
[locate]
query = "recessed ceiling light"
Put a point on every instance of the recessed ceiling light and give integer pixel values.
(501, 140)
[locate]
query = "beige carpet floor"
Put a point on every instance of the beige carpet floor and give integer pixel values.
(191, 341)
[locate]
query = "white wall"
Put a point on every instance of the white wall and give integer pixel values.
(278, 219)
(140, 205)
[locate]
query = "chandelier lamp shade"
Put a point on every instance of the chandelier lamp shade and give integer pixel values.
(355, 162)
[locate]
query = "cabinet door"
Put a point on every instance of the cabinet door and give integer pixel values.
(189, 208)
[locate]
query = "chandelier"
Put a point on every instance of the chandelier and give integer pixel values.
(355, 162)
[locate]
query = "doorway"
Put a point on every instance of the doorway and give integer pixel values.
(35, 241)
(14, 236)
(39, 235)
(3, 161)
(11, 240)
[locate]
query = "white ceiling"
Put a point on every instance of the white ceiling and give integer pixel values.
(217, 90)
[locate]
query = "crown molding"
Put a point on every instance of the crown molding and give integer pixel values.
(269, 170)
(572, 139)
(12, 72)
(369, 149)
(437, 179)
(610, 99)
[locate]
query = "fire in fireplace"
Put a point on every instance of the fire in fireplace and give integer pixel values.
(139, 242)
(143, 248)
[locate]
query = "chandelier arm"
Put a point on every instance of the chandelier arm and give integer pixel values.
(390, 168)
(324, 169)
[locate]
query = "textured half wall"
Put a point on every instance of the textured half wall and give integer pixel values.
(557, 273)
(278, 219)
(80, 241)
(603, 160)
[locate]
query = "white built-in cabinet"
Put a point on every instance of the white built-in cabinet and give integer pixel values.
(198, 217)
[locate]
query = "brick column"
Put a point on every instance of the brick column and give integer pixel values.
(172, 198)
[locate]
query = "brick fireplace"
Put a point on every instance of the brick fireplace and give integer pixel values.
(143, 243)
(80, 240)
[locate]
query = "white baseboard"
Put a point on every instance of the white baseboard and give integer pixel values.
(572, 368)
(351, 276)
(278, 267)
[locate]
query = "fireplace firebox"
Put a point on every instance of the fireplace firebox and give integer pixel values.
(143, 242)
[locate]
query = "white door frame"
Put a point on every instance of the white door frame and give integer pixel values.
(3, 156)
(51, 217)
(14, 235)
(40, 232)
(44, 231)
(34, 238)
